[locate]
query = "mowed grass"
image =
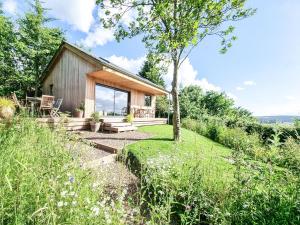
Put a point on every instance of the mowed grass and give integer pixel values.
(213, 158)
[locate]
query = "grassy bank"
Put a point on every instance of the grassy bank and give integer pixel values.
(201, 182)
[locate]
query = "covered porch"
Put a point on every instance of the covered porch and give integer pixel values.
(115, 94)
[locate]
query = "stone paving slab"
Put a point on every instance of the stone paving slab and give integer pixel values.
(113, 142)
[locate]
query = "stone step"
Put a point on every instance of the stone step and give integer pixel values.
(120, 129)
(117, 124)
(100, 162)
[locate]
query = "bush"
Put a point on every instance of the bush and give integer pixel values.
(236, 138)
(7, 108)
(262, 194)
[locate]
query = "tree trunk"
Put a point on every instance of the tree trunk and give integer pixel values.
(176, 110)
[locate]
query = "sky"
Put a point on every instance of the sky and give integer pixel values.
(261, 72)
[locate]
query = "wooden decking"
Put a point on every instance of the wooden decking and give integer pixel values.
(83, 123)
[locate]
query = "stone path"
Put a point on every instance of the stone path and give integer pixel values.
(113, 142)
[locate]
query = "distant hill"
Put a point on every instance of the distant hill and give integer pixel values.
(277, 119)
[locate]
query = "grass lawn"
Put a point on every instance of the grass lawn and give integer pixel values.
(213, 157)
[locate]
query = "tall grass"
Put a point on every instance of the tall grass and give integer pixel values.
(42, 184)
(175, 190)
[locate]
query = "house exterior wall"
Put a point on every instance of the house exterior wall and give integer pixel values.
(68, 78)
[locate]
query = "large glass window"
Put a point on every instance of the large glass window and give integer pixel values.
(110, 101)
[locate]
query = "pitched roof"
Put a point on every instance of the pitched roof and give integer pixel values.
(96, 60)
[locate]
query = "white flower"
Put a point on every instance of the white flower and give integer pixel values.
(60, 204)
(95, 210)
(65, 203)
(74, 203)
(72, 193)
(63, 193)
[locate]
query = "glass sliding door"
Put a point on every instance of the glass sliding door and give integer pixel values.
(111, 101)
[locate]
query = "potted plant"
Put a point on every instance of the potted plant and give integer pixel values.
(7, 108)
(95, 122)
(129, 118)
(79, 111)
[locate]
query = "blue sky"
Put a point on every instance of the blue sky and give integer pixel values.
(261, 71)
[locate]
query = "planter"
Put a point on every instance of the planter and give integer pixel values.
(78, 114)
(95, 126)
(6, 112)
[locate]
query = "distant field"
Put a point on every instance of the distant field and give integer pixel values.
(277, 119)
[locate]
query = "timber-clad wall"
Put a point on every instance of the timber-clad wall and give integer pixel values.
(70, 80)
(68, 77)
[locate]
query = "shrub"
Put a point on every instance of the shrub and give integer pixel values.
(7, 108)
(262, 194)
(129, 118)
(236, 138)
(95, 117)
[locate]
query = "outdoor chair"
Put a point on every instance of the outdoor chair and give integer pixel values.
(56, 107)
(17, 102)
(46, 104)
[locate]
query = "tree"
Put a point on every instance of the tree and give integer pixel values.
(37, 44)
(217, 104)
(153, 70)
(191, 102)
(8, 59)
(173, 28)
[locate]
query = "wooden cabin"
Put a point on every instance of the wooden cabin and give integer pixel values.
(79, 77)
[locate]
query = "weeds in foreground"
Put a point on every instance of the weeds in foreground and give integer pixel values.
(41, 183)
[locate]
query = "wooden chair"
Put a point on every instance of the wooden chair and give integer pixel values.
(46, 104)
(56, 107)
(17, 103)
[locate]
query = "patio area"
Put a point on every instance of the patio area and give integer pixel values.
(112, 142)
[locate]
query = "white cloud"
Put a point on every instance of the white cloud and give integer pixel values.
(10, 6)
(232, 96)
(249, 83)
(132, 65)
(77, 13)
(290, 98)
(240, 88)
(98, 36)
(187, 74)
(287, 108)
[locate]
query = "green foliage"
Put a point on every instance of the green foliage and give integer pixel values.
(173, 28)
(96, 117)
(81, 107)
(9, 75)
(5, 102)
(217, 104)
(198, 182)
(37, 44)
(129, 118)
(197, 104)
(297, 123)
(25, 50)
(153, 70)
(162, 106)
(191, 102)
(42, 184)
